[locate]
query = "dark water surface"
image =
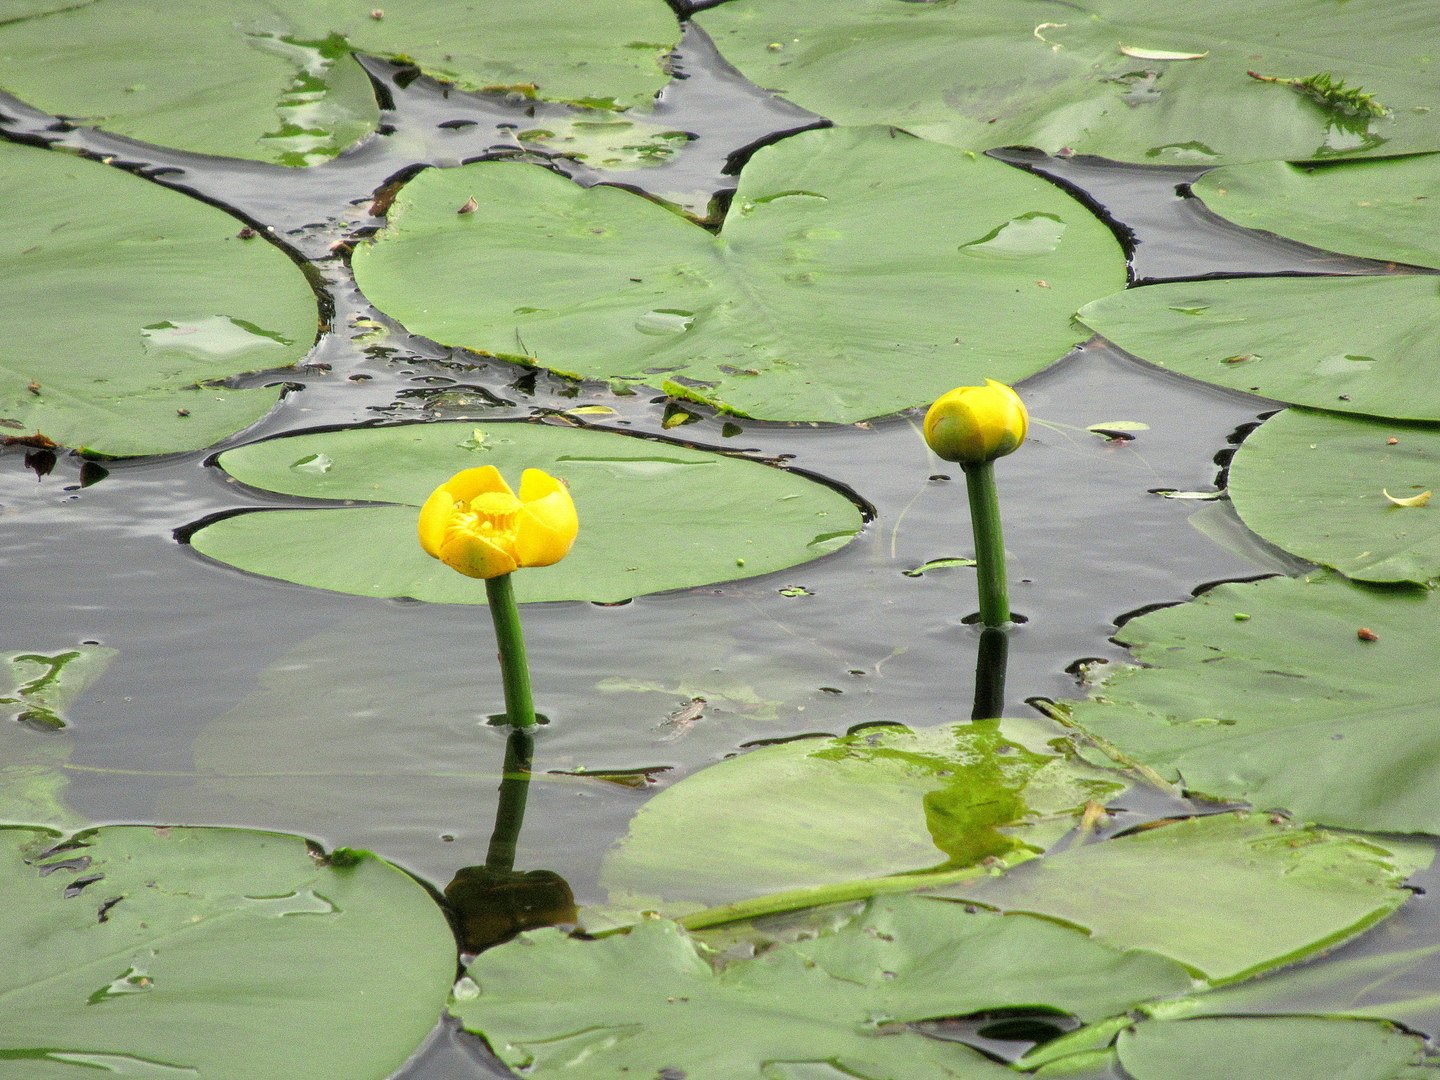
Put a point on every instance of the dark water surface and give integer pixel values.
(239, 700)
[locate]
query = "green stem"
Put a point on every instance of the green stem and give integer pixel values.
(838, 893)
(989, 543)
(510, 814)
(519, 707)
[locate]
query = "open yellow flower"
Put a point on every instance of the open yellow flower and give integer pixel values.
(975, 424)
(474, 523)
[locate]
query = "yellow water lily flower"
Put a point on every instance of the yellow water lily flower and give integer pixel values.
(975, 424)
(474, 523)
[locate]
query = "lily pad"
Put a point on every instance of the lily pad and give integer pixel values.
(279, 83)
(653, 515)
(221, 953)
(127, 305)
(1076, 75)
(817, 300)
(1177, 889)
(652, 1003)
(1384, 210)
(1360, 344)
(1321, 486)
(1268, 692)
(1277, 1048)
(882, 801)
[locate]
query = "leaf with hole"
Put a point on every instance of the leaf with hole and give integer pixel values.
(816, 300)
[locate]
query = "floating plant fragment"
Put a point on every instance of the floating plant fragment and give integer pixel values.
(654, 1002)
(1289, 708)
(885, 800)
(1179, 888)
(708, 517)
(178, 952)
(1355, 344)
(1387, 210)
(126, 307)
(984, 76)
(1349, 492)
(811, 303)
(279, 83)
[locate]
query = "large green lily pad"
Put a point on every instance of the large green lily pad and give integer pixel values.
(221, 953)
(1363, 345)
(881, 801)
(1375, 209)
(1276, 1048)
(1315, 484)
(278, 83)
(1267, 692)
(1053, 75)
(652, 1003)
(1188, 890)
(653, 515)
(857, 273)
(127, 303)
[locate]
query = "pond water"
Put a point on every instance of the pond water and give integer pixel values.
(241, 700)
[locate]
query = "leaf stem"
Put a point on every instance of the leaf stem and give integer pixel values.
(514, 670)
(989, 543)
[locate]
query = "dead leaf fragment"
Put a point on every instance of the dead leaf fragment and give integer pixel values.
(1413, 500)
(470, 206)
(1161, 54)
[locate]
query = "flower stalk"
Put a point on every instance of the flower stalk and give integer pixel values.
(989, 543)
(510, 641)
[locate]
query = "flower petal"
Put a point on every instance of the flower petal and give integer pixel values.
(474, 556)
(470, 483)
(547, 524)
(434, 520)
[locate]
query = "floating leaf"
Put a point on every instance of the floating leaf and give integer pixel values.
(984, 76)
(1287, 709)
(35, 690)
(650, 1003)
(1383, 209)
(163, 952)
(1361, 344)
(805, 306)
(702, 512)
(1176, 890)
(126, 305)
(1118, 425)
(882, 801)
(279, 83)
(1319, 485)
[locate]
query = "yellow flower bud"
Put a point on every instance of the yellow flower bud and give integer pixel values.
(474, 523)
(975, 424)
